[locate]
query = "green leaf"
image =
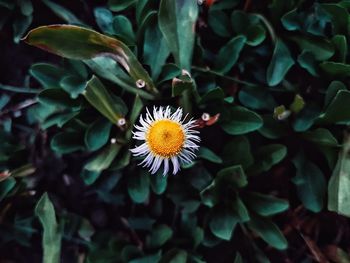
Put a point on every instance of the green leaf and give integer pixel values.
(63, 13)
(216, 94)
(337, 112)
(266, 157)
(23, 171)
(237, 151)
(280, 64)
(97, 134)
(155, 49)
(75, 42)
(109, 69)
(123, 28)
(229, 54)
(238, 258)
(269, 232)
(48, 75)
(248, 25)
(241, 210)
(73, 85)
(224, 4)
(66, 142)
(321, 136)
(321, 48)
(159, 236)
(89, 177)
(52, 236)
(339, 183)
(307, 61)
(341, 45)
(265, 205)
(177, 22)
(233, 175)
(222, 222)
(158, 184)
(103, 159)
(58, 98)
(240, 120)
(335, 69)
(6, 186)
(174, 256)
(219, 23)
(332, 91)
(113, 108)
(273, 129)
(209, 155)
(256, 34)
(306, 117)
(104, 19)
(20, 26)
(138, 187)
(86, 230)
(257, 98)
(120, 5)
(148, 259)
(310, 183)
(339, 16)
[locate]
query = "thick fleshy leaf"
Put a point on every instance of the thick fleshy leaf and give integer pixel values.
(103, 159)
(222, 222)
(109, 69)
(332, 90)
(209, 155)
(337, 111)
(155, 49)
(67, 142)
(237, 151)
(321, 48)
(335, 69)
(75, 42)
(341, 45)
(310, 183)
(229, 54)
(268, 231)
(265, 205)
(138, 187)
(177, 22)
(148, 259)
(240, 120)
(6, 186)
(339, 183)
(52, 236)
(321, 136)
(307, 61)
(159, 236)
(219, 22)
(110, 106)
(63, 13)
(233, 175)
(174, 256)
(120, 5)
(266, 157)
(280, 64)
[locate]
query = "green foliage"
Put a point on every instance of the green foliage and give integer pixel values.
(271, 76)
(45, 211)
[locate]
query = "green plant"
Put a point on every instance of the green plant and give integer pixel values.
(267, 83)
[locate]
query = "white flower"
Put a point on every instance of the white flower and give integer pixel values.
(166, 137)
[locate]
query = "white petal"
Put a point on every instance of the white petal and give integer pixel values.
(140, 150)
(176, 164)
(166, 166)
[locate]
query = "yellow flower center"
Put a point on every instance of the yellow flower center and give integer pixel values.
(165, 138)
